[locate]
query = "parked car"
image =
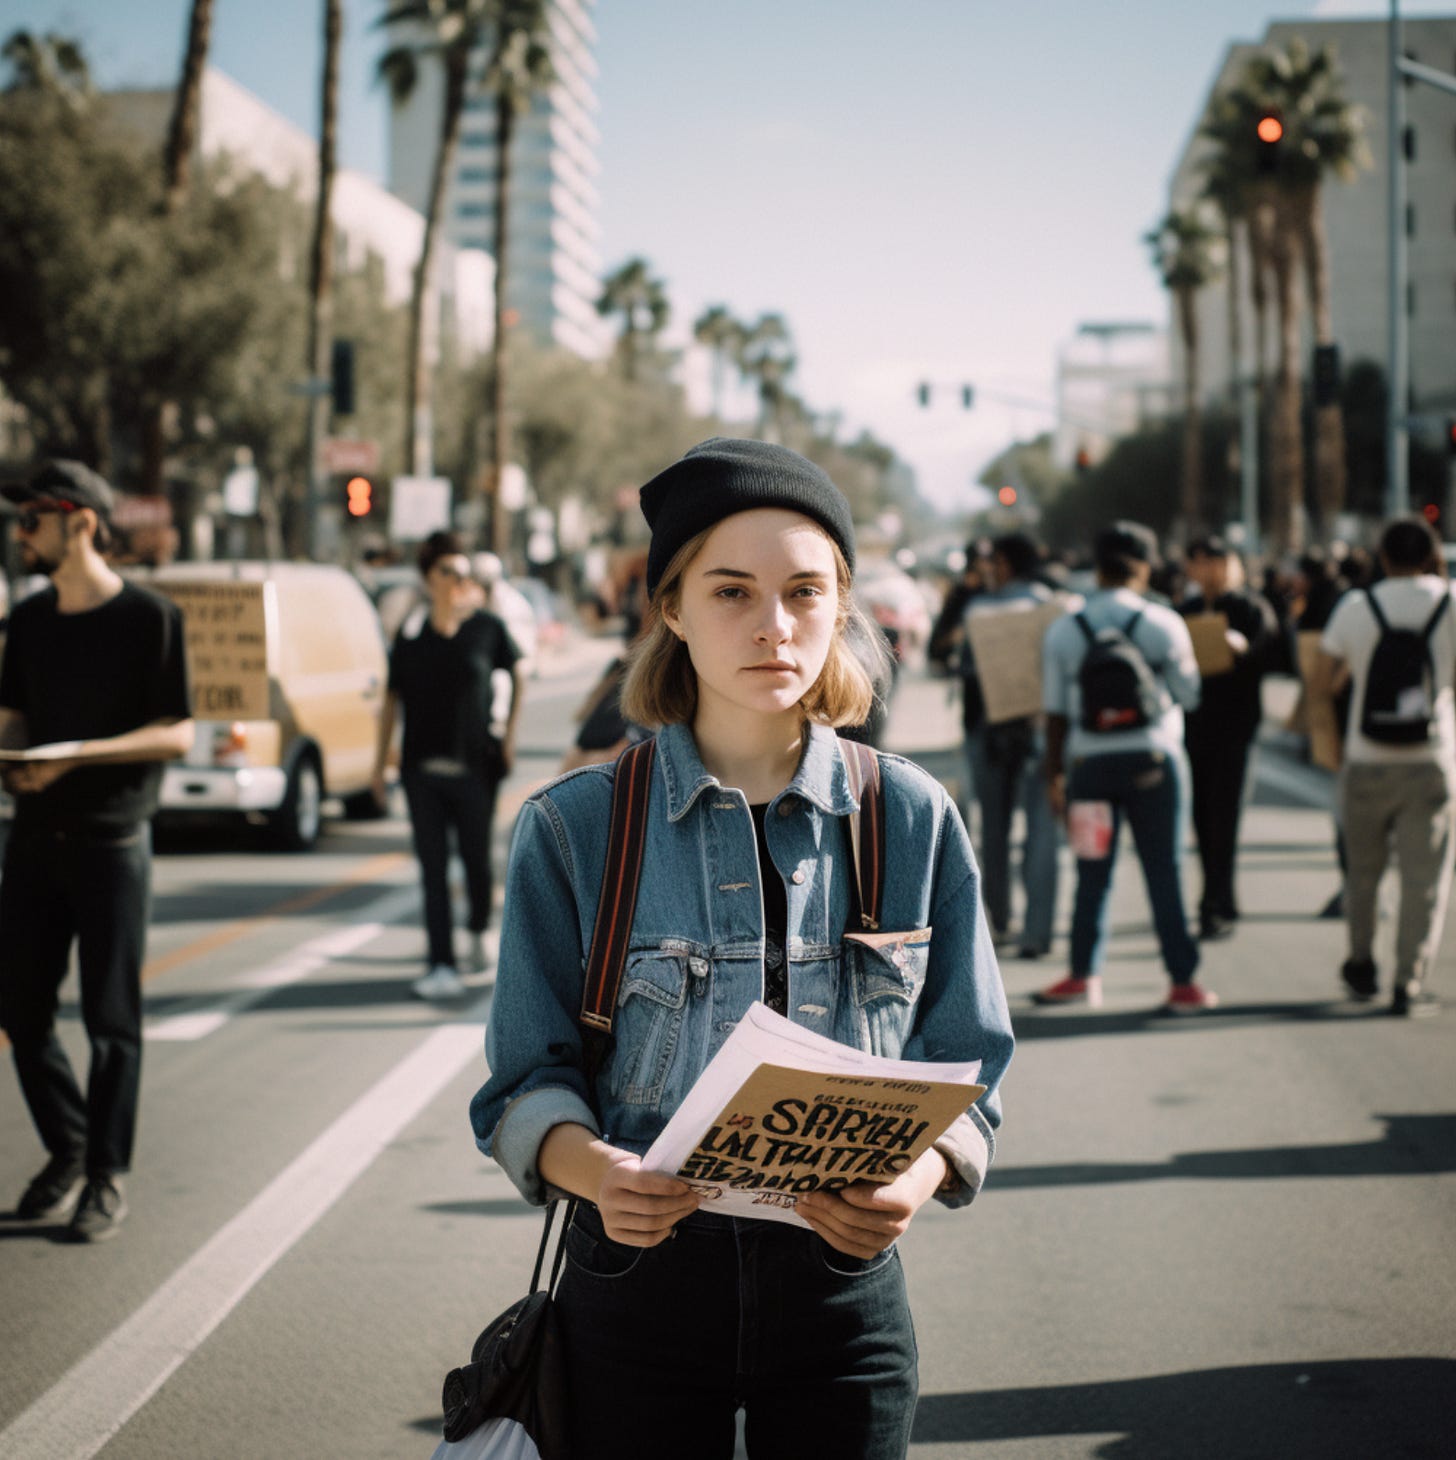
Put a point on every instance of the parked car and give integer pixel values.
(288, 673)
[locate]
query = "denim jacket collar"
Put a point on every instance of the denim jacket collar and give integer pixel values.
(820, 779)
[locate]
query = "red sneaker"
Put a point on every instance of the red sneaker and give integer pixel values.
(1190, 998)
(1072, 991)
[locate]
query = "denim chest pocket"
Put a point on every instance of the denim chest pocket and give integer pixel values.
(886, 975)
(647, 1026)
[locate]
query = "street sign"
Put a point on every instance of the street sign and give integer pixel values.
(344, 455)
(240, 491)
(418, 506)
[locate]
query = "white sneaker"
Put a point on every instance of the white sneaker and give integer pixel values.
(441, 982)
(480, 959)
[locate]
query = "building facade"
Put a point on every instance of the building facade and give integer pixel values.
(554, 263)
(1356, 214)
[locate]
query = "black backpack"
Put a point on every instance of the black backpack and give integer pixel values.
(1399, 707)
(1119, 691)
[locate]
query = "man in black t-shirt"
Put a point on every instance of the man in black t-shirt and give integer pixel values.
(93, 698)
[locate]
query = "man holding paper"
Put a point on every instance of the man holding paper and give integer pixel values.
(93, 698)
(1235, 637)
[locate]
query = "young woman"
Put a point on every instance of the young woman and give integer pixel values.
(440, 671)
(744, 895)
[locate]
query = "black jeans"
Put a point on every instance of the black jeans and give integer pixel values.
(664, 1344)
(436, 804)
(93, 889)
(1220, 765)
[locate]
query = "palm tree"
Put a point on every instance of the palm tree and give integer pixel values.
(321, 271)
(767, 359)
(186, 109)
(642, 303)
(1323, 135)
(724, 336)
(447, 32)
(1187, 253)
(50, 63)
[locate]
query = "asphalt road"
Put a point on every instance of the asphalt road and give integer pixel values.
(1225, 1237)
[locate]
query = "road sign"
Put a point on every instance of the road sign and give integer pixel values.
(342, 454)
(418, 506)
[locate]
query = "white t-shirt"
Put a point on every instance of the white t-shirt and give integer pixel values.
(1352, 634)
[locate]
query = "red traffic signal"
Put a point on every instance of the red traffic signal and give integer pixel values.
(359, 497)
(1431, 513)
(1007, 496)
(1269, 130)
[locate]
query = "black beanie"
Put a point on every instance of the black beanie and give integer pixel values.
(724, 475)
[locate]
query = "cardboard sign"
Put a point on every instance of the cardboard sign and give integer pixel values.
(1006, 642)
(227, 647)
(1209, 632)
(1326, 741)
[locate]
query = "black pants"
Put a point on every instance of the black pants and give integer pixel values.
(92, 889)
(1219, 767)
(437, 804)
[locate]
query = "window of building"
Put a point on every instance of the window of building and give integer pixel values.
(473, 210)
(476, 175)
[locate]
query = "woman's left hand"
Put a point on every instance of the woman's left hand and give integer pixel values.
(863, 1219)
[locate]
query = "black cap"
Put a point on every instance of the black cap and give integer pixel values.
(1126, 540)
(63, 481)
(723, 476)
(1210, 546)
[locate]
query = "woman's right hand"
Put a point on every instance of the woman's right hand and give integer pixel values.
(640, 1208)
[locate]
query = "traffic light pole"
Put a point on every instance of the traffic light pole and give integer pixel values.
(1397, 437)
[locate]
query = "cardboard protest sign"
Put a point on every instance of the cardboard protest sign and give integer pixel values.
(1209, 632)
(1326, 740)
(227, 647)
(1006, 643)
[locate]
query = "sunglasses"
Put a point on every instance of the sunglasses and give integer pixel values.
(453, 575)
(28, 518)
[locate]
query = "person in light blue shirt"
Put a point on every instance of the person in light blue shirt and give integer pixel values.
(1116, 679)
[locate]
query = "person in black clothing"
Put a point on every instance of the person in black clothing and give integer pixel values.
(440, 674)
(93, 686)
(1220, 733)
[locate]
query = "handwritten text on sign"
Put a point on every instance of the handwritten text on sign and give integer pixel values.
(227, 648)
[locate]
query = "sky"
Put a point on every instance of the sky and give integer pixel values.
(937, 190)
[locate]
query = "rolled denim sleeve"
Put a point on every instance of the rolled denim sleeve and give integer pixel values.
(962, 1013)
(533, 1043)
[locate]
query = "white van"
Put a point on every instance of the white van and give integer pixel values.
(288, 671)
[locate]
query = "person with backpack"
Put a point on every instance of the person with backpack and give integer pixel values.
(1397, 643)
(1117, 678)
(1005, 761)
(749, 836)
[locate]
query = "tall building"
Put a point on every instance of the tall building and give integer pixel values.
(553, 263)
(1112, 379)
(1356, 212)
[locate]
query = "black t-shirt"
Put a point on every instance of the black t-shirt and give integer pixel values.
(89, 676)
(775, 920)
(1230, 705)
(444, 687)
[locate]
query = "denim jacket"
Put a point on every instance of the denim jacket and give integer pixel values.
(927, 987)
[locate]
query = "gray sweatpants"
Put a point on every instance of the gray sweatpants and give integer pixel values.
(1410, 809)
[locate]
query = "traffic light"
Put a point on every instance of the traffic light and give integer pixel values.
(1083, 461)
(1007, 496)
(343, 377)
(968, 396)
(1432, 513)
(1269, 132)
(359, 497)
(922, 392)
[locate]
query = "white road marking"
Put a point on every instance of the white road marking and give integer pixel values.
(79, 1414)
(209, 1013)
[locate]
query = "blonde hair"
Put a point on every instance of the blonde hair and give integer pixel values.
(661, 685)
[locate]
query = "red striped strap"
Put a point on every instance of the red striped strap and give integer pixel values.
(866, 833)
(617, 901)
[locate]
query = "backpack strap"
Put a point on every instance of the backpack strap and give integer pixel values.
(1131, 625)
(1085, 627)
(866, 835)
(617, 902)
(1381, 622)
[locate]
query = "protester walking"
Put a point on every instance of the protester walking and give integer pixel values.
(746, 893)
(1005, 759)
(451, 763)
(1220, 732)
(1397, 643)
(93, 685)
(1117, 678)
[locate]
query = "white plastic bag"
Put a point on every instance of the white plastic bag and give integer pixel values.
(496, 1439)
